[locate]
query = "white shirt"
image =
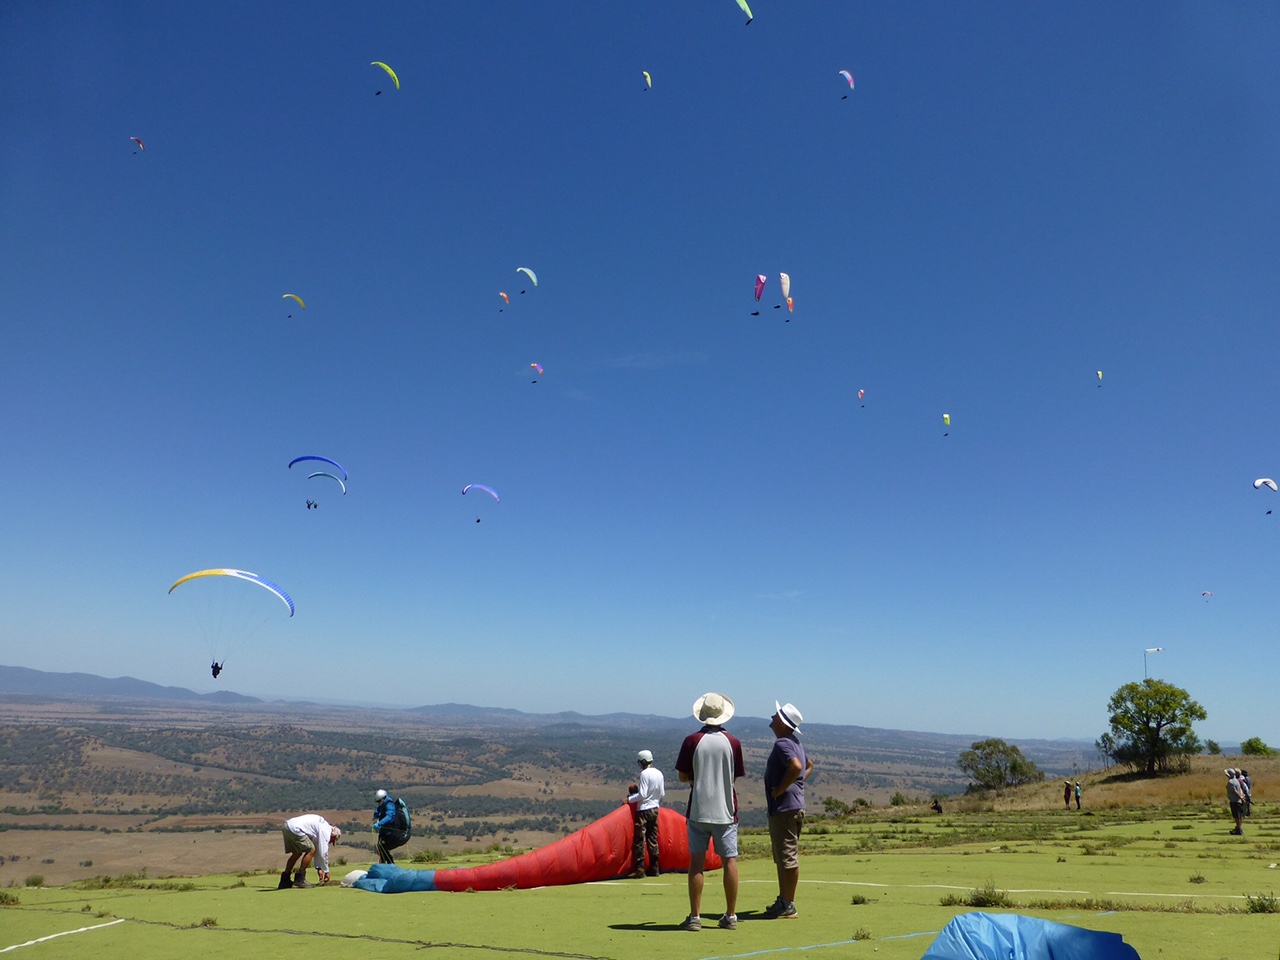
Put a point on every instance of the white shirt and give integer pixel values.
(651, 787)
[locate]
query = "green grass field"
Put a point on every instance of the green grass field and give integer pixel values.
(1172, 881)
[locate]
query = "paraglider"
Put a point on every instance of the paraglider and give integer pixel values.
(1265, 482)
(532, 276)
(1099, 378)
(294, 296)
(391, 73)
(1207, 594)
(946, 422)
(791, 307)
(538, 367)
(332, 463)
(784, 280)
(747, 10)
(331, 476)
(648, 80)
(861, 394)
(141, 145)
(848, 76)
(761, 279)
(223, 612)
(505, 298)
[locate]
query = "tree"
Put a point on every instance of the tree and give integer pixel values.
(1211, 747)
(994, 764)
(1151, 726)
(1254, 747)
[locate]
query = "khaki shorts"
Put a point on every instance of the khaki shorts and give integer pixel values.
(293, 843)
(784, 834)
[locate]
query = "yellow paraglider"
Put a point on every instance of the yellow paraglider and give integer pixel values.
(294, 296)
(532, 276)
(391, 73)
(647, 79)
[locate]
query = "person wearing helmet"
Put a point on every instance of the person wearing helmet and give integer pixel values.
(391, 823)
(645, 798)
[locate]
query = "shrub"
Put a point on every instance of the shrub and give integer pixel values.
(899, 799)
(1196, 877)
(862, 933)
(427, 856)
(989, 896)
(35, 880)
(1261, 903)
(858, 900)
(8, 899)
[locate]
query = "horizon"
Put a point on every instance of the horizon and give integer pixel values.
(690, 497)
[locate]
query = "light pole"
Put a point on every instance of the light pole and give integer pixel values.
(1144, 658)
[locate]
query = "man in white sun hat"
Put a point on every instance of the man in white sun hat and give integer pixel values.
(784, 774)
(710, 761)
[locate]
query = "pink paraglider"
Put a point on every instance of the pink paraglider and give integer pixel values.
(760, 281)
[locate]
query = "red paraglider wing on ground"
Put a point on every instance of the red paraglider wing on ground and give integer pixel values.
(599, 851)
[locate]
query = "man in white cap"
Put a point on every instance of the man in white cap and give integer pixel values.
(710, 761)
(645, 799)
(305, 838)
(784, 775)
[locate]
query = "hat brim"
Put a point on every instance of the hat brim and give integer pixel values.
(718, 721)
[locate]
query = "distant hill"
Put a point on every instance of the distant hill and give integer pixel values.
(38, 683)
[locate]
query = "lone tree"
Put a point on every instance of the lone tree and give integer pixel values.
(1254, 747)
(1151, 727)
(994, 765)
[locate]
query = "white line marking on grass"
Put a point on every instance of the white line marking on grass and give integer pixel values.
(64, 933)
(1180, 896)
(940, 886)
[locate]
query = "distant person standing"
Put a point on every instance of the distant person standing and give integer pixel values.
(785, 772)
(307, 837)
(645, 799)
(710, 761)
(1077, 794)
(1235, 797)
(391, 823)
(1246, 782)
(1066, 793)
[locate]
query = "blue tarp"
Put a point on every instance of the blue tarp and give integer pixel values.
(1007, 936)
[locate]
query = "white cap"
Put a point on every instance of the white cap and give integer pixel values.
(645, 755)
(380, 795)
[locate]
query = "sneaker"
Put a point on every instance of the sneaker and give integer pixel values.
(691, 923)
(775, 908)
(788, 912)
(651, 872)
(636, 874)
(302, 885)
(728, 922)
(285, 882)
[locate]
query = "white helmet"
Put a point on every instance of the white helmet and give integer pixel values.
(380, 795)
(645, 756)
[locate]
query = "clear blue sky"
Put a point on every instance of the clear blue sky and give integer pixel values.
(1012, 198)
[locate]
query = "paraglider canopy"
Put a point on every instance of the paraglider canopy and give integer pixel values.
(141, 145)
(532, 276)
(480, 486)
(1265, 482)
(243, 575)
(391, 73)
(294, 296)
(761, 279)
(334, 463)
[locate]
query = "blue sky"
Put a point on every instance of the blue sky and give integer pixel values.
(1011, 199)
